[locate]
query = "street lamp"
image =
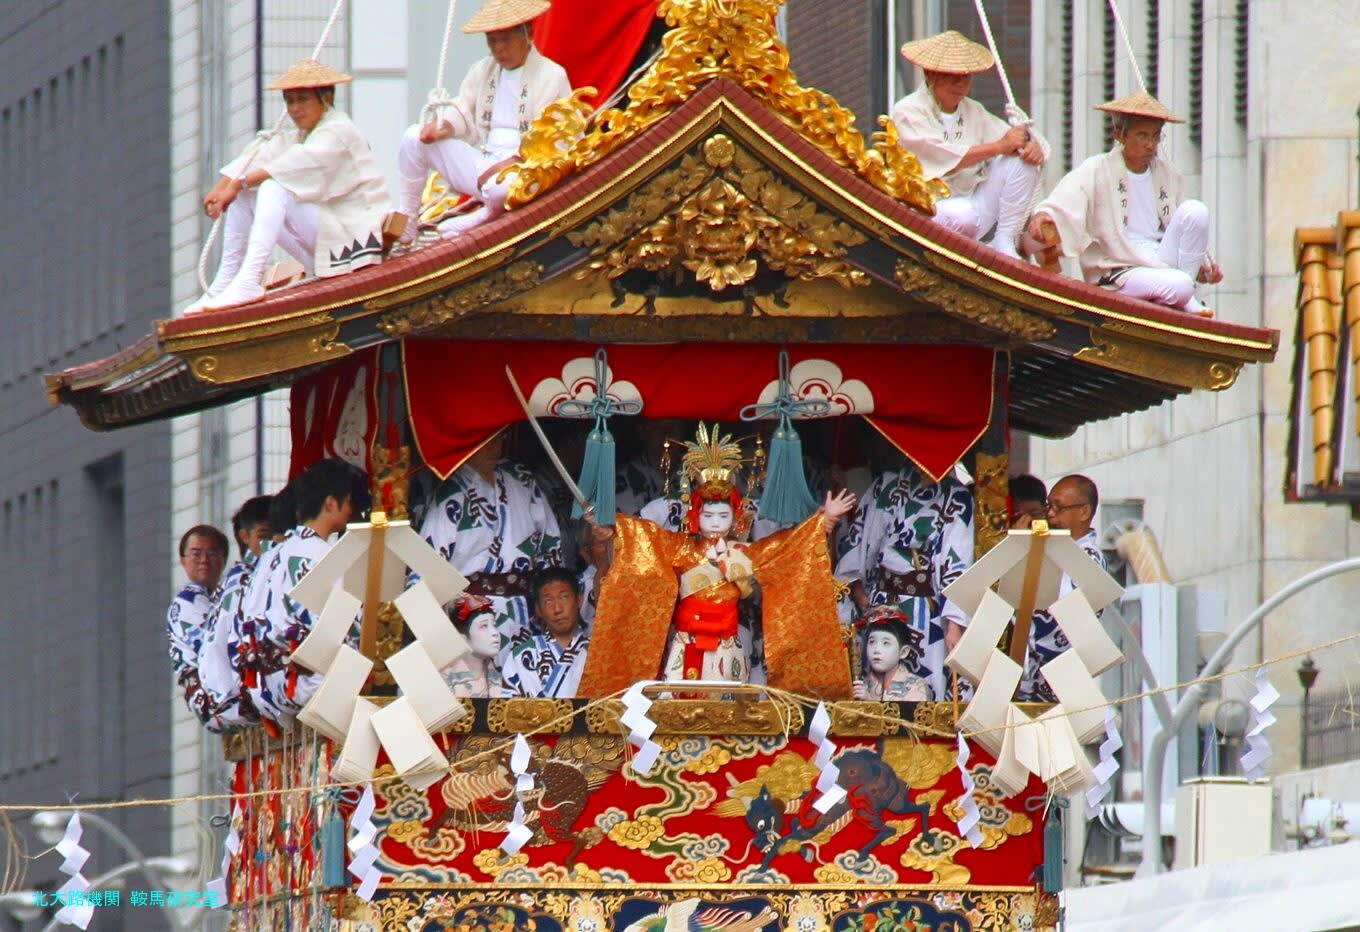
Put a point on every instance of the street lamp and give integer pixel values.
(1308, 674)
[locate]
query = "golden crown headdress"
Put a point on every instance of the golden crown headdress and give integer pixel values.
(711, 457)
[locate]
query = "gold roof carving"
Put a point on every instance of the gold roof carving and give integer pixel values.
(719, 216)
(711, 39)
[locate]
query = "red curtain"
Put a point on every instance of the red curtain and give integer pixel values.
(932, 402)
(335, 413)
(595, 40)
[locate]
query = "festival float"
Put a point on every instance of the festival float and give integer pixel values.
(724, 239)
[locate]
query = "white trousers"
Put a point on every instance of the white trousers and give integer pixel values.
(257, 221)
(460, 164)
(1001, 200)
(1184, 247)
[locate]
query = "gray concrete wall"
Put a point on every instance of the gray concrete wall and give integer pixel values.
(84, 518)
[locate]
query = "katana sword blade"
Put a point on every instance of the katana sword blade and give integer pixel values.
(556, 460)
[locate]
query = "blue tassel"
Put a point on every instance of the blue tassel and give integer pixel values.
(333, 851)
(1053, 848)
(786, 498)
(598, 474)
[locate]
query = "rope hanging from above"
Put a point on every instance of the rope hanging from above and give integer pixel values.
(786, 498)
(439, 95)
(253, 150)
(1128, 46)
(598, 466)
(1014, 114)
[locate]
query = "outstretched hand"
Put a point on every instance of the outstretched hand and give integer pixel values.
(838, 506)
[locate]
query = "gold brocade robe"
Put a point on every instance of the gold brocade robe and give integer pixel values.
(804, 652)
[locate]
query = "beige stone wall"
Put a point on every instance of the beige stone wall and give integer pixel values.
(1210, 467)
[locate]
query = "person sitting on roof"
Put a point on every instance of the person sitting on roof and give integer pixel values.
(992, 169)
(1123, 215)
(478, 134)
(318, 193)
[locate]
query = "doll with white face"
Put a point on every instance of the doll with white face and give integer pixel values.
(891, 650)
(475, 674)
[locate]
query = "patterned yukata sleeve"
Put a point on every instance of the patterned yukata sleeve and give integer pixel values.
(864, 540)
(546, 551)
(518, 679)
(954, 546)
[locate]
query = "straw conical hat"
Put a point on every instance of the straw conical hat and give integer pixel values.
(309, 73)
(504, 14)
(1140, 105)
(950, 52)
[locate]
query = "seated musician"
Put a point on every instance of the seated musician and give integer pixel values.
(317, 193)
(1123, 214)
(479, 133)
(475, 675)
(548, 664)
(992, 168)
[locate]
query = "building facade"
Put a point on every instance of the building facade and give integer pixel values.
(84, 528)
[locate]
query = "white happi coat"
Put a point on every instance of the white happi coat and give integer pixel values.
(921, 129)
(272, 613)
(505, 526)
(185, 623)
(906, 523)
(1090, 208)
(542, 81)
(332, 167)
(541, 668)
(219, 670)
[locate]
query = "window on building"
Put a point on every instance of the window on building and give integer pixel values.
(1241, 41)
(1154, 37)
(214, 467)
(1068, 55)
(1011, 22)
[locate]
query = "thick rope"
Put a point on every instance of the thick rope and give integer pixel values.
(1128, 46)
(439, 95)
(1014, 114)
(254, 148)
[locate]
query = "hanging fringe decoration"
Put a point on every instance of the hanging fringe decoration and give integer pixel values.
(333, 837)
(363, 853)
(786, 498)
(1105, 768)
(79, 912)
(230, 849)
(640, 728)
(1258, 747)
(828, 773)
(518, 833)
(1054, 845)
(968, 825)
(598, 470)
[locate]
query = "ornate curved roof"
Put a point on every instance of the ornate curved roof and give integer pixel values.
(711, 215)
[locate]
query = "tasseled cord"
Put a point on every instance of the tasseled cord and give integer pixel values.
(1053, 845)
(786, 498)
(333, 851)
(598, 466)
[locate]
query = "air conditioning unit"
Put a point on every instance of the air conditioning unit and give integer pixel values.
(1221, 819)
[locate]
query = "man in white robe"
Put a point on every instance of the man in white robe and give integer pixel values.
(549, 664)
(1123, 214)
(218, 670)
(202, 554)
(493, 523)
(329, 495)
(992, 168)
(478, 134)
(317, 193)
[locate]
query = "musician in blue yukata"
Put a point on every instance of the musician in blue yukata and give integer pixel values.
(493, 523)
(1071, 507)
(548, 664)
(202, 554)
(218, 672)
(911, 538)
(328, 496)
